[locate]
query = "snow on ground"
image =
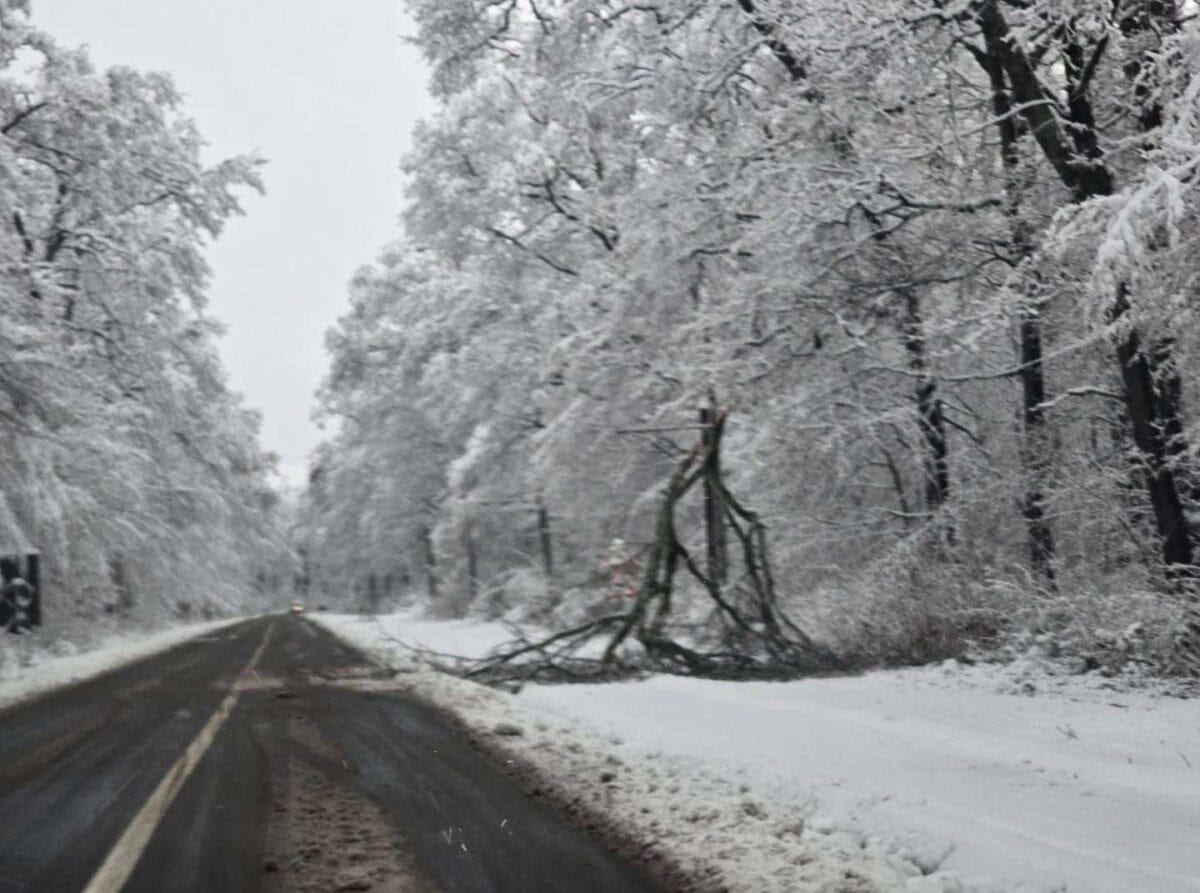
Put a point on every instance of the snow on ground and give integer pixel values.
(1045, 791)
(398, 634)
(1035, 778)
(720, 831)
(29, 669)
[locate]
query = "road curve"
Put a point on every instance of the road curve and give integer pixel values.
(226, 764)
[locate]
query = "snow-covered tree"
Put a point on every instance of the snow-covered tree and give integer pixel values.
(934, 260)
(127, 459)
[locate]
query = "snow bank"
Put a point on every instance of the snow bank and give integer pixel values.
(1024, 773)
(29, 669)
(722, 832)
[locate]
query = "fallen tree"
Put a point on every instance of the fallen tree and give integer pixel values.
(748, 634)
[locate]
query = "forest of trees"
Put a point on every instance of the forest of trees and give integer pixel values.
(124, 457)
(937, 261)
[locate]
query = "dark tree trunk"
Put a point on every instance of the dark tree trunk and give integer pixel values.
(1170, 411)
(929, 410)
(1035, 448)
(1153, 411)
(547, 545)
(714, 516)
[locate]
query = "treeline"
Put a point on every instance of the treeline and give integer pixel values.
(938, 262)
(124, 457)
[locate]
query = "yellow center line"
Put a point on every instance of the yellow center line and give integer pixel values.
(117, 868)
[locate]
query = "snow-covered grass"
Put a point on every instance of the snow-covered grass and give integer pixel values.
(1021, 773)
(30, 668)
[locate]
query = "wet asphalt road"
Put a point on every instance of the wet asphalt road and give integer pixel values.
(304, 786)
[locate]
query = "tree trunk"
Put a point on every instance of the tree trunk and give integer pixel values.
(714, 517)
(1035, 448)
(1153, 410)
(929, 412)
(543, 520)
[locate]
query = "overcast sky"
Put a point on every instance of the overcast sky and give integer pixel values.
(328, 93)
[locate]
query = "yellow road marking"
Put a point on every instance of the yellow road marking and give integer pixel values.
(116, 869)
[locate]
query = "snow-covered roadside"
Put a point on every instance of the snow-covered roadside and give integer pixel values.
(721, 832)
(1024, 773)
(1040, 793)
(28, 670)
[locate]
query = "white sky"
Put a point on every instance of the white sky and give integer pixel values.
(328, 93)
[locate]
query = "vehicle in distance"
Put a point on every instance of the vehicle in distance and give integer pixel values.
(297, 608)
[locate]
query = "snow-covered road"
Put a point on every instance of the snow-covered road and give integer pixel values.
(1020, 774)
